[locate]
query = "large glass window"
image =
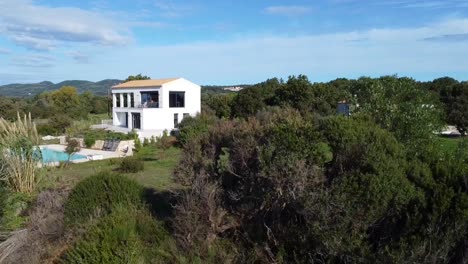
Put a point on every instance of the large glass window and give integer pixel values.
(176, 99)
(117, 101)
(132, 100)
(150, 99)
(125, 100)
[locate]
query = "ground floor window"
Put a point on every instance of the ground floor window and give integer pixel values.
(176, 120)
(136, 118)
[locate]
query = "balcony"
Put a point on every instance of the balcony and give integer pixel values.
(149, 105)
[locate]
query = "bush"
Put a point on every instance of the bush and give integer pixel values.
(165, 141)
(12, 206)
(127, 235)
(46, 129)
(131, 165)
(194, 127)
(89, 141)
(99, 194)
(60, 123)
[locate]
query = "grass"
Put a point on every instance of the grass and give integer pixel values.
(157, 174)
(449, 144)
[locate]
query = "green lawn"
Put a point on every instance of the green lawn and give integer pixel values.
(449, 144)
(157, 174)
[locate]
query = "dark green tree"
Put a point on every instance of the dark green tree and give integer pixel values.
(255, 98)
(137, 77)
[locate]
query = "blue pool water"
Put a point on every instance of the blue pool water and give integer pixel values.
(49, 155)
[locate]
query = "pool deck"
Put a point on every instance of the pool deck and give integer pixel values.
(91, 154)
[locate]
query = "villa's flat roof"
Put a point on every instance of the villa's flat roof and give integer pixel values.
(144, 83)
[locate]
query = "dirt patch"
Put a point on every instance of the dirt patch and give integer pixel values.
(44, 238)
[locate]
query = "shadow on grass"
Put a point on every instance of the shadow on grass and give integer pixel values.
(161, 203)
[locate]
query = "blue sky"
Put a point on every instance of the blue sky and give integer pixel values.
(231, 42)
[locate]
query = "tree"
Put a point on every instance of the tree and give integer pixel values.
(137, 77)
(400, 106)
(67, 101)
(221, 104)
(255, 98)
(456, 104)
(73, 146)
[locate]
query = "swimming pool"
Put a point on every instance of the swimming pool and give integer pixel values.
(49, 155)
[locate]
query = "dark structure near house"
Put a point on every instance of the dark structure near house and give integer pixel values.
(343, 108)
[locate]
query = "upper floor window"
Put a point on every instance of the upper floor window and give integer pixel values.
(132, 100)
(117, 100)
(125, 100)
(176, 99)
(150, 99)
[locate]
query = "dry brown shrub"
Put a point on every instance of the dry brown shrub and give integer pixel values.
(43, 239)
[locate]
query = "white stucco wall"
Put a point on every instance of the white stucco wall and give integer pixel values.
(161, 118)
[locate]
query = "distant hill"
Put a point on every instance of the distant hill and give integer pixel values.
(97, 88)
(24, 90)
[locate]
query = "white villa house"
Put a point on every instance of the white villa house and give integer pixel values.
(152, 106)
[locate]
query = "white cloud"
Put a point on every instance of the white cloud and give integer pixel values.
(43, 28)
(288, 10)
(369, 52)
(409, 51)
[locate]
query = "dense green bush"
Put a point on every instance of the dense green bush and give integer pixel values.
(131, 165)
(127, 235)
(98, 194)
(89, 141)
(193, 127)
(302, 189)
(46, 129)
(12, 206)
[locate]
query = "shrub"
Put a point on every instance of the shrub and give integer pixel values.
(46, 129)
(131, 165)
(99, 194)
(18, 154)
(194, 127)
(60, 123)
(12, 206)
(165, 141)
(89, 141)
(127, 235)
(73, 146)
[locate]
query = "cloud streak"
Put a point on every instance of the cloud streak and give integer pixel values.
(34, 61)
(431, 4)
(288, 10)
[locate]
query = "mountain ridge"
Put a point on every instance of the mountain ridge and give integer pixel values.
(98, 88)
(31, 89)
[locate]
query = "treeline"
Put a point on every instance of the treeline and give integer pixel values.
(445, 93)
(273, 175)
(58, 108)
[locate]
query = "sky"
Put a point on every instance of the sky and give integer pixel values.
(231, 42)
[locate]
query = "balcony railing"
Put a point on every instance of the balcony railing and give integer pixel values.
(145, 105)
(149, 105)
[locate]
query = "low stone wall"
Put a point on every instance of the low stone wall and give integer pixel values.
(98, 145)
